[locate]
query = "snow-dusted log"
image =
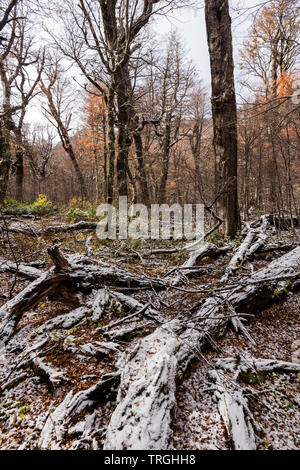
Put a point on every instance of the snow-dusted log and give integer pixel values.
(146, 399)
(56, 425)
(209, 250)
(35, 232)
(53, 377)
(94, 273)
(233, 405)
(72, 272)
(11, 312)
(240, 255)
(146, 403)
(280, 222)
(21, 269)
(234, 410)
(245, 365)
(261, 238)
(254, 241)
(99, 349)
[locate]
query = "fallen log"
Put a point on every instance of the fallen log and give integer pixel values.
(279, 222)
(75, 271)
(240, 255)
(207, 251)
(233, 405)
(54, 229)
(56, 425)
(234, 410)
(254, 241)
(11, 312)
(146, 403)
(23, 270)
(54, 378)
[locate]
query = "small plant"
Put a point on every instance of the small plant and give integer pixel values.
(42, 205)
(76, 214)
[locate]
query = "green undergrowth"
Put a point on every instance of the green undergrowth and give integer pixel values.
(40, 207)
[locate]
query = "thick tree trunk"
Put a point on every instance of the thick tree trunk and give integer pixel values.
(111, 152)
(124, 138)
(5, 161)
(218, 23)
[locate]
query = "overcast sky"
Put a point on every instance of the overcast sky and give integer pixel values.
(191, 25)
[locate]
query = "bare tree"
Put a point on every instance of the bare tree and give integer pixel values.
(224, 111)
(101, 38)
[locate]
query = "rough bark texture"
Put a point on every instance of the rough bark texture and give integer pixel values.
(77, 270)
(218, 23)
(143, 416)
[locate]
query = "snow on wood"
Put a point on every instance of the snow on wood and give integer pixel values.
(146, 403)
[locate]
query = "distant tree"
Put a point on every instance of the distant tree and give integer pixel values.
(271, 51)
(60, 99)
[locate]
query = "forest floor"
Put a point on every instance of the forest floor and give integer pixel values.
(274, 399)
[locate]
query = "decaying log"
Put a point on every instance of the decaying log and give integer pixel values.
(21, 269)
(56, 425)
(80, 271)
(254, 241)
(53, 377)
(233, 405)
(65, 321)
(208, 250)
(233, 409)
(146, 399)
(146, 405)
(34, 232)
(11, 312)
(279, 222)
(240, 255)
(245, 365)
(237, 418)
(99, 349)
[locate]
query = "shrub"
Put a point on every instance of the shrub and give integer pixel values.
(74, 213)
(41, 206)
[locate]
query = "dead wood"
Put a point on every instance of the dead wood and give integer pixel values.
(146, 399)
(23, 270)
(75, 271)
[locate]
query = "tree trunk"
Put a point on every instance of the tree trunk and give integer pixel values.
(162, 194)
(19, 167)
(218, 23)
(144, 190)
(124, 140)
(111, 153)
(5, 161)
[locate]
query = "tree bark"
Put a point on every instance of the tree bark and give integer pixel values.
(5, 160)
(218, 23)
(146, 400)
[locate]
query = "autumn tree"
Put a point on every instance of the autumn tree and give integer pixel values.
(271, 51)
(60, 100)
(92, 139)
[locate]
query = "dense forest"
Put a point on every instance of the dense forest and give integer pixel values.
(149, 340)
